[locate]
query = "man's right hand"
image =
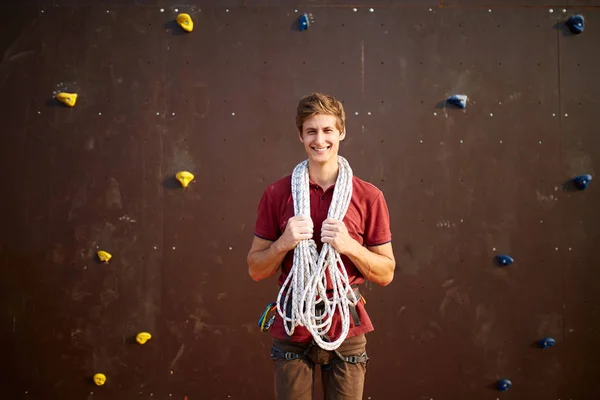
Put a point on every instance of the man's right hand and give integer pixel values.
(298, 228)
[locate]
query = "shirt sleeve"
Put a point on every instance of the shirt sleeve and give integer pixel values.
(377, 225)
(267, 221)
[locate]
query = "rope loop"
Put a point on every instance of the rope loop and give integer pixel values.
(305, 287)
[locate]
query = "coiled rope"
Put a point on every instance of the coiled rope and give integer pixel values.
(306, 284)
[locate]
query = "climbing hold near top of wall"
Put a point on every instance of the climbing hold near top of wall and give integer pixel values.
(67, 98)
(546, 342)
(104, 256)
(576, 23)
(504, 384)
(184, 177)
(304, 22)
(582, 181)
(458, 100)
(99, 379)
(503, 259)
(143, 337)
(185, 21)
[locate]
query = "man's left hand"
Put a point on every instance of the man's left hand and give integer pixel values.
(336, 234)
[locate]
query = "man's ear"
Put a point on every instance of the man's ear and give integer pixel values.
(300, 136)
(343, 135)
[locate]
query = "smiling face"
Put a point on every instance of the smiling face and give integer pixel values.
(321, 138)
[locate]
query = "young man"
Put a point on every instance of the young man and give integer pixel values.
(362, 238)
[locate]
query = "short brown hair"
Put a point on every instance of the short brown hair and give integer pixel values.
(320, 103)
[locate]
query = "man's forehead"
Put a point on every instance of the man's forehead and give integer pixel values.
(320, 123)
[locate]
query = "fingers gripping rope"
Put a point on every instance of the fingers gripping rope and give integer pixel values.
(306, 285)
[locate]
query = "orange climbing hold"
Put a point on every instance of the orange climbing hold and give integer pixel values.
(67, 98)
(185, 21)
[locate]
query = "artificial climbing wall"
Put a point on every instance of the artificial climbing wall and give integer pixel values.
(463, 185)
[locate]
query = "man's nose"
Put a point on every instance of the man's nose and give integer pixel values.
(320, 135)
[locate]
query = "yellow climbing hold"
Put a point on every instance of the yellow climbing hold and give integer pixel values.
(99, 379)
(104, 256)
(142, 337)
(184, 177)
(185, 21)
(68, 98)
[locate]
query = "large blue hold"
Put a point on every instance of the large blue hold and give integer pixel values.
(458, 100)
(582, 181)
(547, 342)
(503, 259)
(504, 384)
(304, 22)
(576, 23)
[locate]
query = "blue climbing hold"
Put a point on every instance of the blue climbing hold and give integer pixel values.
(547, 342)
(582, 181)
(576, 23)
(304, 22)
(503, 259)
(504, 384)
(458, 100)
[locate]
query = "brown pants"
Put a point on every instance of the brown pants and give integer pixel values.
(294, 379)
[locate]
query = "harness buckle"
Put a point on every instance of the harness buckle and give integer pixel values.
(353, 359)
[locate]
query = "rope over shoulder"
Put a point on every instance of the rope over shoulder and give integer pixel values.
(306, 284)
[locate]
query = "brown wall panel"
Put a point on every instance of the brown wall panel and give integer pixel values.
(580, 144)
(461, 185)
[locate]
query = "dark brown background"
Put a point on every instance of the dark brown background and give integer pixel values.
(154, 101)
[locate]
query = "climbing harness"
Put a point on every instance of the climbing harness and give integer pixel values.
(290, 355)
(305, 288)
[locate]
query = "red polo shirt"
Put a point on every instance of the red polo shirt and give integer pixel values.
(367, 221)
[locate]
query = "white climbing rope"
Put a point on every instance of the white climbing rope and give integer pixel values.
(306, 284)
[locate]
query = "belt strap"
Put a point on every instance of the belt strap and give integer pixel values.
(288, 356)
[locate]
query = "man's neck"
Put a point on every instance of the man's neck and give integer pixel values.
(324, 175)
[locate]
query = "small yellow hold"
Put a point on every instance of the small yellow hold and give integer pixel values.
(185, 21)
(185, 178)
(68, 98)
(143, 337)
(99, 379)
(104, 256)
